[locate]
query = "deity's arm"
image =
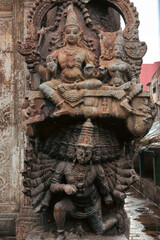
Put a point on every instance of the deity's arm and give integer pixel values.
(52, 62)
(89, 58)
(42, 70)
(57, 179)
(130, 74)
(89, 68)
(48, 70)
(54, 56)
(57, 184)
(101, 181)
(50, 85)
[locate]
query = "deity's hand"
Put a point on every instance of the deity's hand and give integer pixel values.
(70, 189)
(63, 87)
(42, 31)
(51, 65)
(103, 70)
(89, 70)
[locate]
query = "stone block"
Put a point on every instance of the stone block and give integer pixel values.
(7, 224)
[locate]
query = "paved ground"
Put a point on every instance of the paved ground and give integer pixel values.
(144, 218)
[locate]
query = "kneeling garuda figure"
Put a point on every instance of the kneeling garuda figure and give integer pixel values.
(84, 184)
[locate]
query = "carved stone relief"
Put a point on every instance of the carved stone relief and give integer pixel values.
(83, 92)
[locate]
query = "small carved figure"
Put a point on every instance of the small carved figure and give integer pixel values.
(71, 57)
(83, 179)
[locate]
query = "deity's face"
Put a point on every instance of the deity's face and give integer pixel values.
(72, 34)
(83, 154)
(104, 154)
(118, 50)
(97, 154)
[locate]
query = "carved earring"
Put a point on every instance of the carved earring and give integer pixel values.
(80, 39)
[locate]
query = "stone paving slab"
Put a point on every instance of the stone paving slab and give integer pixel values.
(122, 237)
(144, 217)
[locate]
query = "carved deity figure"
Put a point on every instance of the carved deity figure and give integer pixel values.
(82, 181)
(71, 58)
(119, 71)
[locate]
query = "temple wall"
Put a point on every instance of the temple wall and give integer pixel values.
(12, 90)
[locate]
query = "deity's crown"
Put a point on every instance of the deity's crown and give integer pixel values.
(86, 135)
(119, 39)
(71, 17)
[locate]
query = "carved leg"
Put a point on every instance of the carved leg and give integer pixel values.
(96, 221)
(50, 93)
(89, 84)
(53, 95)
(109, 223)
(97, 224)
(125, 104)
(61, 209)
(62, 109)
(86, 84)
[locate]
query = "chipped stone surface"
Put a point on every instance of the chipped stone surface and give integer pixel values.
(12, 90)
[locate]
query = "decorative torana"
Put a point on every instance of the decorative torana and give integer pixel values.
(83, 106)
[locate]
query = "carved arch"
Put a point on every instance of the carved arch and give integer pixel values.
(129, 14)
(135, 49)
(40, 8)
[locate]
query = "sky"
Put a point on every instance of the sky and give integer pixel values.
(149, 29)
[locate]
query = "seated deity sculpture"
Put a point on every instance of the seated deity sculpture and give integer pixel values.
(70, 58)
(119, 72)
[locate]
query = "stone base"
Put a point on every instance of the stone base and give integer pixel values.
(8, 224)
(39, 234)
(26, 221)
(85, 237)
(48, 231)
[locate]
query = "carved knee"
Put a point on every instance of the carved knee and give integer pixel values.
(59, 207)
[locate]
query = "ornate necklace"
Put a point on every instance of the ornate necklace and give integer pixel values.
(70, 52)
(80, 173)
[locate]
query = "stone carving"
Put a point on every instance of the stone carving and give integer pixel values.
(80, 114)
(82, 181)
(70, 58)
